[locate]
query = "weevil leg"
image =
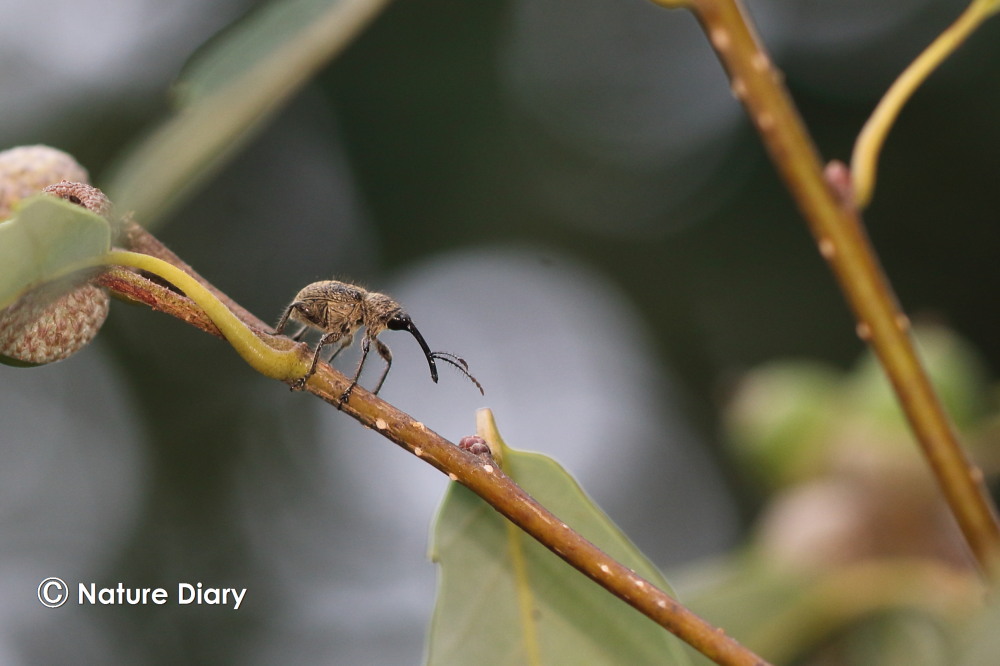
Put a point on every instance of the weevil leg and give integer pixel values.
(344, 345)
(284, 321)
(365, 348)
(327, 339)
(284, 318)
(383, 351)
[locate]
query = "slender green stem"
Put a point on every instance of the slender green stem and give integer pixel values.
(842, 241)
(278, 364)
(864, 159)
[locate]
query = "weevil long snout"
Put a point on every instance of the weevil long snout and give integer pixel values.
(402, 322)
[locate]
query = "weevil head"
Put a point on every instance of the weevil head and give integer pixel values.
(400, 321)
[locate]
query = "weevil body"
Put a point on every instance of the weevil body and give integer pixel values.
(338, 310)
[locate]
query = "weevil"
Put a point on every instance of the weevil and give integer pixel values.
(339, 309)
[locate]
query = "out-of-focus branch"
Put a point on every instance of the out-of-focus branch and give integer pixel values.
(833, 218)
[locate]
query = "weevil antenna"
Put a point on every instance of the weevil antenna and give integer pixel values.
(462, 366)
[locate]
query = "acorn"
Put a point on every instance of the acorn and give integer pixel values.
(52, 321)
(27, 170)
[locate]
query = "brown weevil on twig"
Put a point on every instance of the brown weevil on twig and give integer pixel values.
(338, 310)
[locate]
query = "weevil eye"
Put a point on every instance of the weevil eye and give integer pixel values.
(399, 322)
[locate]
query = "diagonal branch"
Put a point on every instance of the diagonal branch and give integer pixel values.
(476, 472)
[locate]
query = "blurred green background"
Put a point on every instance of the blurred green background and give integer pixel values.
(567, 196)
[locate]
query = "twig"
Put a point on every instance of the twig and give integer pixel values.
(837, 228)
(864, 158)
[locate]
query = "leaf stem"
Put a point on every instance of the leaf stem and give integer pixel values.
(842, 241)
(864, 159)
(282, 364)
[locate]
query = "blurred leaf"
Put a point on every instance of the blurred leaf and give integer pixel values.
(897, 639)
(229, 91)
(45, 236)
(750, 598)
(503, 598)
(780, 420)
(790, 615)
(981, 640)
(790, 420)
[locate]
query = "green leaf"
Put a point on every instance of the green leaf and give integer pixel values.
(503, 598)
(229, 91)
(46, 236)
